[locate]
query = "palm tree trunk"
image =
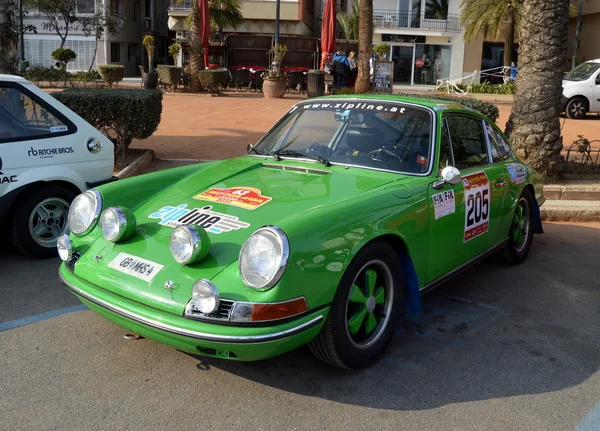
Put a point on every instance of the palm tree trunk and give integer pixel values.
(534, 125)
(509, 39)
(9, 52)
(196, 57)
(365, 46)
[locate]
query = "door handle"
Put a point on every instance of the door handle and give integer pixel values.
(500, 183)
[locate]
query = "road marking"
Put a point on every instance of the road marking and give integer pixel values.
(12, 324)
(591, 421)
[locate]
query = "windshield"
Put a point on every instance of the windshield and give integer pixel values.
(582, 72)
(389, 136)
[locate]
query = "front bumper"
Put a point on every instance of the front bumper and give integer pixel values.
(243, 343)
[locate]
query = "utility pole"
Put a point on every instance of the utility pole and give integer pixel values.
(577, 42)
(277, 23)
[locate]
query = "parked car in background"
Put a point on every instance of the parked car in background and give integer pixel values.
(48, 155)
(346, 211)
(581, 90)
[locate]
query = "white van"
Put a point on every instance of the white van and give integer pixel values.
(48, 155)
(581, 90)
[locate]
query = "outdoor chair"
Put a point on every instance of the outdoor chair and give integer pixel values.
(242, 78)
(296, 81)
(258, 79)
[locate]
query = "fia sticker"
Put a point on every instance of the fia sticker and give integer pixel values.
(477, 202)
(517, 173)
(244, 197)
(444, 203)
(212, 221)
(57, 129)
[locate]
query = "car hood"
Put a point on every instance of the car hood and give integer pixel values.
(230, 199)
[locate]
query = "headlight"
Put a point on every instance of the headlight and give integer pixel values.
(65, 248)
(205, 296)
(264, 257)
(84, 212)
(189, 244)
(117, 224)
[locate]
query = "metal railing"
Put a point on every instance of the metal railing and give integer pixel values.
(385, 18)
(186, 4)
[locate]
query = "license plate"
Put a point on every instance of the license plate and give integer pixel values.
(135, 266)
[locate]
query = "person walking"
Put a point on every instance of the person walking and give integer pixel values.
(341, 68)
(353, 68)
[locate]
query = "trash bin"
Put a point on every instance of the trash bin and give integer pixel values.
(315, 83)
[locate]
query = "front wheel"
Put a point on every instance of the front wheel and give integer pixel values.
(576, 108)
(364, 311)
(520, 235)
(39, 219)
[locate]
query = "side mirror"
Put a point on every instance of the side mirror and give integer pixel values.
(450, 175)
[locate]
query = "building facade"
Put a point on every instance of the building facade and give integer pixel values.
(589, 48)
(136, 18)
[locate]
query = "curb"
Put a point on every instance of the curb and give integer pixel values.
(138, 165)
(572, 192)
(570, 215)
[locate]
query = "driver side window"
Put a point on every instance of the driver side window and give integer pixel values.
(468, 142)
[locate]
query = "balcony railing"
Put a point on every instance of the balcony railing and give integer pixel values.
(383, 18)
(185, 5)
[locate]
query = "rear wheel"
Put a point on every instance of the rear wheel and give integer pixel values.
(363, 314)
(520, 235)
(576, 108)
(39, 219)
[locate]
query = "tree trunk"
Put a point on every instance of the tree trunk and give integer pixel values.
(534, 126)
(509, 39)
(9, 38)
(94, 56)
(365, 46)
(196, 55)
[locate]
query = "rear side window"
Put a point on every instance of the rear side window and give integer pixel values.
(23, 116)
(498, 145)
(468, 141)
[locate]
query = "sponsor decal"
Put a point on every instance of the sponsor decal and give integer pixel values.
(6, 178)
(212, 221)
(56, 129)
(360, 106)
(517, 172)
(444, 203)
(422, 160)
(477, 202)
(243, 197)
(47, 153)
(135, 266)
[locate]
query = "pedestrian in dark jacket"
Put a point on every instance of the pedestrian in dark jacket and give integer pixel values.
(341, 68)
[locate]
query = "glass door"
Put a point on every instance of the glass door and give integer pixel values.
(402, 56)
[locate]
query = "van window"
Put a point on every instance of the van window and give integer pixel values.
(582, 72)
(24, 117)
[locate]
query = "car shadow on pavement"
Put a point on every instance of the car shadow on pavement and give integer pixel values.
(495, 331)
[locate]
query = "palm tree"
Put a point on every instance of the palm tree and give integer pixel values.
(365, 46)
(225, 13)
(492, 18)
(349, 22)
(194, 23)
(534, 126)
(437, 9)
(9, 53)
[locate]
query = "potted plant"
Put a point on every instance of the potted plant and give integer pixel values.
(381, 50)
(174, 50)
(275, 81)
(150, 79)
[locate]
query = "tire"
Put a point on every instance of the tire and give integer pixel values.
(39, 218)
(347, 340)
(576, 108)
(520, 234)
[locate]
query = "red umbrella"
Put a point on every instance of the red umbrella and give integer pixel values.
(328, 33)
(205, 17)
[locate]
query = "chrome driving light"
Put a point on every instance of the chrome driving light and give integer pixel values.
(65, 248)
(117, 224)
(264, 257)
(205, 296)
(84, 212)
(189, 244)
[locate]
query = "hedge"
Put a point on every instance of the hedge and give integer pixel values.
(213, 79)
(169, 75)
(111, 73)
(127, 113)
(39, 74)
(485, 108)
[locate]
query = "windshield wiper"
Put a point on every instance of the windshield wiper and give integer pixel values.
(295, 153)
(252, 148)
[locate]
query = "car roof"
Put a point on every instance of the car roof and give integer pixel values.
(12, 78)
(428, 102)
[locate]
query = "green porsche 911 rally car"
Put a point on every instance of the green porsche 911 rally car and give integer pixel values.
(331, 226)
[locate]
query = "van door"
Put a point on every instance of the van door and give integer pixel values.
(596, 97)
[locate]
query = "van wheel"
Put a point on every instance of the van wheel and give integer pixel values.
(39, 219)
(576, 108)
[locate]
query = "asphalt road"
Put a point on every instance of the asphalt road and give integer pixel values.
(498, 348)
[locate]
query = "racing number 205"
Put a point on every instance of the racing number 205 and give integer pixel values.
(478, 207)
